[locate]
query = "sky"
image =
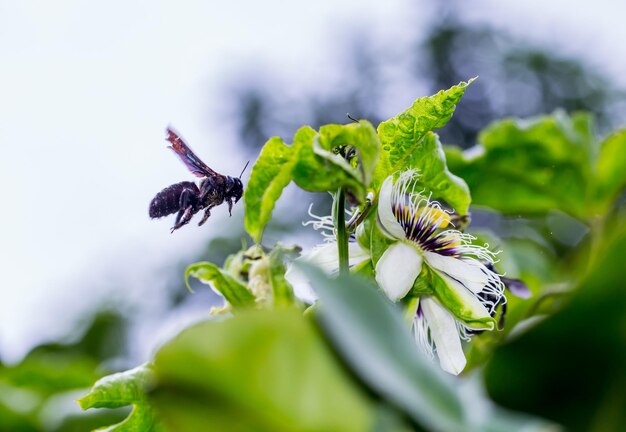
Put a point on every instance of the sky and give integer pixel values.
(87, 89)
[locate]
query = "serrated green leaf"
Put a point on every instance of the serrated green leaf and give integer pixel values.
(610, 169)
(263, 370)
(402, 136)
(235, 293)
(430, 160)
(528, 167)
(124, 389)
(270, 174)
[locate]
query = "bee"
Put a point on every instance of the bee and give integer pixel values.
(186, 197)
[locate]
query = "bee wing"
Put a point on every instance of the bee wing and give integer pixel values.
(189, 158)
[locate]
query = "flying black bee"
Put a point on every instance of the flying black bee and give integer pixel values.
(186, 197)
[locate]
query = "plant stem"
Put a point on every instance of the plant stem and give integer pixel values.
(360, 216)
(339, 217)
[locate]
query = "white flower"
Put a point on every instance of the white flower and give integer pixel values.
(465, 291)
(437, 330)
(325, 256)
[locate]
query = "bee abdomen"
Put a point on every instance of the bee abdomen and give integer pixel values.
(167, 201)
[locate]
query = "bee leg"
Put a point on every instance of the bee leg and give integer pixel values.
(207, 213)
(183, 218)
(230, 207)
(187, 197)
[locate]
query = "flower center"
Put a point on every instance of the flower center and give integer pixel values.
(422, 219)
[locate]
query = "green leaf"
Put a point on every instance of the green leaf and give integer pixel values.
(611, 169)
(281, 290)
(259, 371)
(378, 242)
(423, 284)
(322, 168)
(461, 303)
(123, 389)
(270, 174)
(430, 160)
(371, 336)
(528, 167)
(403, 146)
(362, 137)
(39, 392)
(573, 362)
(235, 293)
(315, 162)
(47, 372)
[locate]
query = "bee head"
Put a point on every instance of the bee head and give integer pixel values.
(234, 188)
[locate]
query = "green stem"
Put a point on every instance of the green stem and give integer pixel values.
(360, 216)
(342, 234)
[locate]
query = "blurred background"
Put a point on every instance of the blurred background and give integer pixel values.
(88, 282)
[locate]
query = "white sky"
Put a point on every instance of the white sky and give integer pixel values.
(87, 88)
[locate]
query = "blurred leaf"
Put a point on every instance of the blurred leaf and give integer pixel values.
(235, 293)
(123, 389)
(39, 392)
(372, 337)
(281, 290)
(48, 373)
(404, 146)
(529, 167)
(18, 408)
(259, 371)
(611, 169)
(270, 174)
(573, 363)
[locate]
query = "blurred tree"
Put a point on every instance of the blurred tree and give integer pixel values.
(516, 79)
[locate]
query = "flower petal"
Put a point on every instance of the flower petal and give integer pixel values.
(471, 273)
(325, 256)
(356, 254)
(445, 335)
(301, 285)
(397, 270)
(461, 302)
(390, 225)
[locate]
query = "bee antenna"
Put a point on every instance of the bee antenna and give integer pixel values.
(352, 118)
(244, 169)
